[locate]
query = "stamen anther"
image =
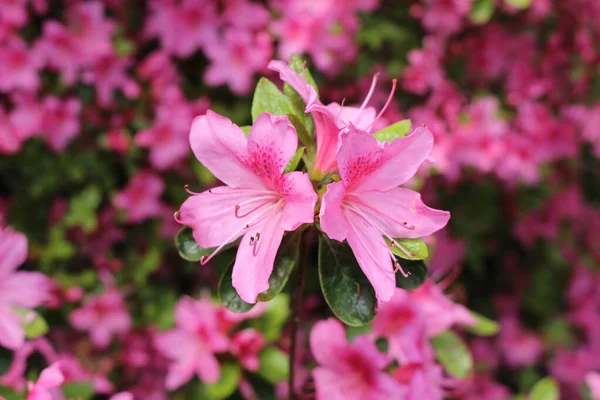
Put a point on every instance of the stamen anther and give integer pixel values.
(177, 216)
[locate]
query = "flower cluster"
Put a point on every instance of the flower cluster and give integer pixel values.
(322, 132)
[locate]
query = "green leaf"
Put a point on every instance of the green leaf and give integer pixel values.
(285, 261)
(274, 365)
(482, 11)
(394, 131)
(78, 390)
(82, 209)
(544, 389)
(271, 322)
(453, 354)
(268, 98)
(36, 328)
(520, 4)
(9, 394)
(295, 160)
(345, 287)
(297, 64)
(227, 384)
(418, 274)
(416, 248)
(187, 247)
(229, 296)
(33, 323)
(483, 327)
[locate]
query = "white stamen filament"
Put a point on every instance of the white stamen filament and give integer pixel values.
(356, 199)
(397, 266)
(369, 95)
(267, 211)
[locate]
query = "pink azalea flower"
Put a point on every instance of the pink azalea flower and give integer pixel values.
(191, 345)
(60, 121)
(46, 387)
(235, 58)
(258, 202)
(519, 347)
(103, 316)
(14, 12)
(122, 396)
(330, 119)
(367, 205)
(440, 313)
(350, 371)
(21, 290)
(401, 322)
(18, 67)
(92, 29)
(246, 345)
(592, 379)
(109, 73)
(10, 140)
(185, 27)
(60, 50)
(246, 14)
(141, 198)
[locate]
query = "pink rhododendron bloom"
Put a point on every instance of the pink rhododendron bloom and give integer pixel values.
(444, 16)
(352, 371)
(592, 379)
(10, 140)
(109, 73)
(46, 387)
(191, 345)
(367, 206)
(92, 29)
(259, 201)
(246, 345)
(246, 14)
(141, 198)
(103, 316)
(59, 122)
(18, 67)
(18, 290)
(235, 57)
(60, 50)
(184, 27)
(519, 347)
(401, 322)
(440, 313)
(122, 396)
(330, 119)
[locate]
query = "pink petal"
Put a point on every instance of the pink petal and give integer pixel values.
(122, 396)
(292, 78)
(221, 147)
(327, 135)
(390, 209)
(372, 254)
(300, 200)
(328, 342)
(13, 250)
(212, 215)
(333, 386)
(12, 335)
(254, 263)
(177, 344)
(25, 289)
(188, 315)
(271, 144)
(333, 221)
(51, 376)
(348, 114)
(400, 161)
(207, 368)
(180, 373)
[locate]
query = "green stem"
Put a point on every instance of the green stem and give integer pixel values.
(295, 322)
